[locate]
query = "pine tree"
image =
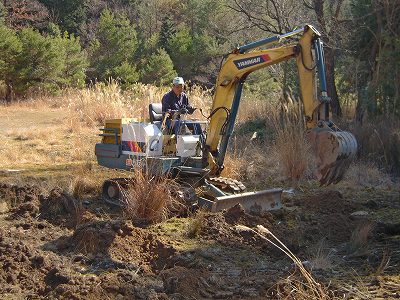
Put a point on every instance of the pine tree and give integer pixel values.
(113, 51)
(73, 74)
(191, 53)
(40, 62)
(72, 14)
(167, 31)
(10, 48)
(159, 69)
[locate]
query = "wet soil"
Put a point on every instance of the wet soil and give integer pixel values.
(53, 246)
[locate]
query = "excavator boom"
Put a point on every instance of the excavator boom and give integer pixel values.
(333, 148)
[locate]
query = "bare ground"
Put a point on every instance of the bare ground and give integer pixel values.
(55, 246)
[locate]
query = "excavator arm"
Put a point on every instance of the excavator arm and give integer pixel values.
(334, 149)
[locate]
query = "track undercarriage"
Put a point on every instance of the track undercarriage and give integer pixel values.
(214, 194)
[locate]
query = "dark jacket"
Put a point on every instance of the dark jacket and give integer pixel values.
(171, 101)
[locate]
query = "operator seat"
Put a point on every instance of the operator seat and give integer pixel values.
(155, 113)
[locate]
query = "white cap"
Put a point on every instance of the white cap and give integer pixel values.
(178, 80)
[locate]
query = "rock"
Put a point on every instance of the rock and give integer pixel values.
(54, 277)
(359, 215)
(371, 204)
(251, 293)
(3, 207)
(388, 228)
(223, 295)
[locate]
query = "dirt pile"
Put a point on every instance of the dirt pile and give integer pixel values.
(27, 202)
(21, 266)
(120, 243)
(61, 209)
(13, 195)
(326, 203)
(326, 215)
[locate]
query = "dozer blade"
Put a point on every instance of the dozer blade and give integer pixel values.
(254, 202)
(334, 150)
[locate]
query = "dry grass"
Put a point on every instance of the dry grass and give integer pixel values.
(81, 186)
(77, 211)
(367, 175)
(94, 105)
(151, 199)
(322, 258)
(357, 289)
(289, 156)
(63, 130)
(196, 224)
(252, 109)
(360, 237)
(292, 287)
(379, 140)
(291, 146)
(88, 241)
(384, 264)
(234, 165)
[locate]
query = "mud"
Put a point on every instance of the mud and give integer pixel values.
(53, 247)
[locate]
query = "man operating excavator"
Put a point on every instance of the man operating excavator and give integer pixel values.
(175, 103)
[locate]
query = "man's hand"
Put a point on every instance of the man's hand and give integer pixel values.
(191, 109)
(183, 110)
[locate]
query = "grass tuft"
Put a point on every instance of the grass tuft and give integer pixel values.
(151, 199)
(360, 237)
(81, 186)
(292, 288)
(368, 175)
(291, 146)
(196, 224)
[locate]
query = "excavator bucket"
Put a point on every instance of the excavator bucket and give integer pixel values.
(334, 151)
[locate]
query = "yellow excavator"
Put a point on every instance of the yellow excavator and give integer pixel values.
(196, 159)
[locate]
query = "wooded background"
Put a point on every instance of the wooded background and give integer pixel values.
(48, 45)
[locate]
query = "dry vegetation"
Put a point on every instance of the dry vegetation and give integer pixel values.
(292, 149)
(151, 199)
(61, 131)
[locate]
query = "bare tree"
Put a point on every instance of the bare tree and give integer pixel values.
(274, 16)
(25, 13)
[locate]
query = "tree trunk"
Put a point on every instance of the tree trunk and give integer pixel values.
(360, 109)
(9, 92)
(330, 82)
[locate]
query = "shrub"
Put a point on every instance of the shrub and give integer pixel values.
(150, 198)
(159, 69)
(291, 145)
